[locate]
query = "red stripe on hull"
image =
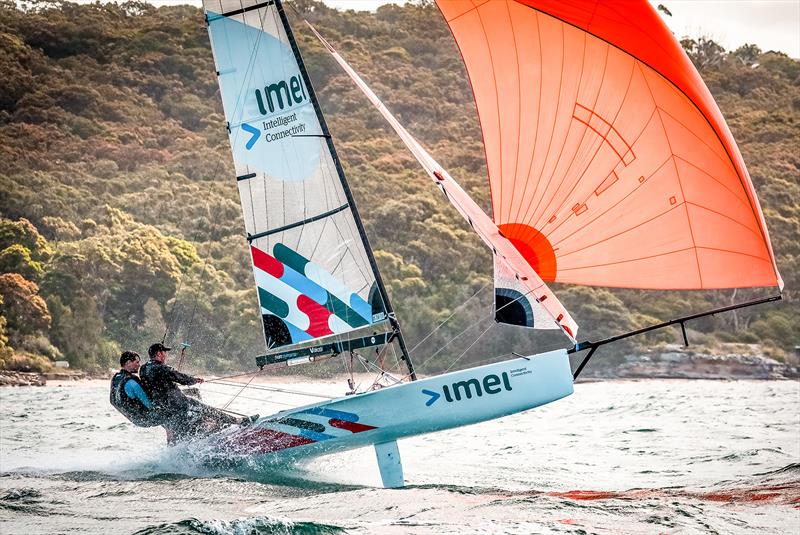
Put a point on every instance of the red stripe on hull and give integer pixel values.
(353, 427)
(267, 263)
(262, 440)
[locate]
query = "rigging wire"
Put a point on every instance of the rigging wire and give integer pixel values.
(282, 390)
(240, 390)
(260, 400)
(481, 319)
(470, 346)
(225, 377)
(456, 311)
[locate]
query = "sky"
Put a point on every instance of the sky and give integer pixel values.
(770, 24)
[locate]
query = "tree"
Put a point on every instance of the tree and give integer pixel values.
(23, 308)
(5, 350)
(17, 259)
(24, 234)
(704, 52)
(747, 54)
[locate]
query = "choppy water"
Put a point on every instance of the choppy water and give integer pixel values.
(616, 457)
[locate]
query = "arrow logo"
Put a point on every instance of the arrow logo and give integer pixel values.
(255, 133)
(434, 396)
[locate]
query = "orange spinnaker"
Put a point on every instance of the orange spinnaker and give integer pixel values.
(606, 150)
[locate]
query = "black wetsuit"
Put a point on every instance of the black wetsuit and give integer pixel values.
(130, 407)
(160, 381)
(185, 416)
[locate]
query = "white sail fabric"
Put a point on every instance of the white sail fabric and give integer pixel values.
(541, 297)
(312, 270)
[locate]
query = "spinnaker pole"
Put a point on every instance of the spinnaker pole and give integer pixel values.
(592, 346)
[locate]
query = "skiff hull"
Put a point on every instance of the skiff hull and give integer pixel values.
(381, 417)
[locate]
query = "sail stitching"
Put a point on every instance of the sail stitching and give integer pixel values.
(538, 117)
(647, 257)
(609, 209)
(497, 105)
(533, 219)
(552, 230)
(634, 227)
(519, 104)
(552, 131)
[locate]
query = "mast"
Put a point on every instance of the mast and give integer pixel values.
(348, 194)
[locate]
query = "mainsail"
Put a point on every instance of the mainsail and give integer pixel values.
(609, 162)
(318, 285)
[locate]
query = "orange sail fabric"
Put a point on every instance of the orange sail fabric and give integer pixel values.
(609, 162)
(547, 309)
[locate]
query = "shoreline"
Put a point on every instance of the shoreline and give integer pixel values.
(641, 374)
(669, 362)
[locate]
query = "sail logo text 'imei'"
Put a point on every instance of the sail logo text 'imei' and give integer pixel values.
(491, 384)
(280, 95)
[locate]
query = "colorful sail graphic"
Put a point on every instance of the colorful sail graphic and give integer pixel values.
(312, 266)
(531, 293)
(609, 161)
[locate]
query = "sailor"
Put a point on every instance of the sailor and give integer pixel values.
(181, 415)
(127, 395)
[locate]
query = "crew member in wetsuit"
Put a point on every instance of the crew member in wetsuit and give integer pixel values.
(127, 395)
(182, 416)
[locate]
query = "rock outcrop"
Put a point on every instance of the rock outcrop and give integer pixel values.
(736, 361)
(9, 378)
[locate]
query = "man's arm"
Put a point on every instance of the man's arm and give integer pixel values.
(133, 390)
(180, 378)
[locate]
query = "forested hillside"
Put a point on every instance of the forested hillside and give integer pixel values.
(120, 214)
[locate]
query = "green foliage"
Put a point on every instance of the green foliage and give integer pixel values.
(113, 146)
(5, 350)
(25, 362)
(25, 311)
(25, 235)
(17, 259)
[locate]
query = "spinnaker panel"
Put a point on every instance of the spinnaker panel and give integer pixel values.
(609, 162)
(315, 281)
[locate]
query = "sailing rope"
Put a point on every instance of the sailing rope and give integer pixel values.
(171, 314)
(224, 377)
(241, 390)
(260, 400)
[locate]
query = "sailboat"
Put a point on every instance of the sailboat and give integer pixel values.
(609, 164)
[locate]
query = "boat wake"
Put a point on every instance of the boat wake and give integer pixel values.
(254, 525)
(777, 487)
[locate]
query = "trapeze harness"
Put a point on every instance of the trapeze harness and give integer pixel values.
(131, 408)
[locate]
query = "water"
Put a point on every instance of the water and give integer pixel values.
(616, 457)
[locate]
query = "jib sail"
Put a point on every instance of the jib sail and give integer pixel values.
(318, 286)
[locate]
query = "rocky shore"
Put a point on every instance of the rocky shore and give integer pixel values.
(677, 362)
(12, 378)
(727, 362)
